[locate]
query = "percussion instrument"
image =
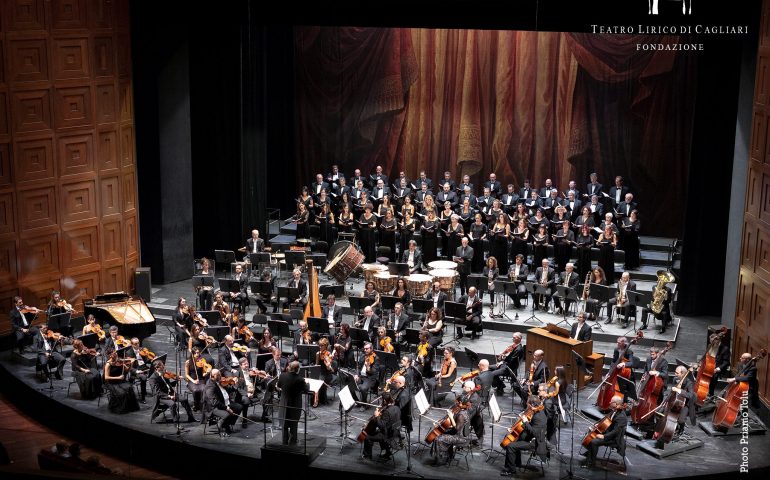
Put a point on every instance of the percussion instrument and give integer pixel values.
(344, 263)
(418, 284)
(446, 278)
(370, 269)
(384, 282)
(442, 265)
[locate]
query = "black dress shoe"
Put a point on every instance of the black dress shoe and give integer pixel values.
(224, 434)
(506, 473)
(191, 419)
(643, 327)
(244, 424)
(459, 336)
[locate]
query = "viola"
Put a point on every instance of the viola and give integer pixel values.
(707, 366)
(386, 346)
(650, 388)
(399, 372)
(326, 358)
(463, 378)
(228, 381)
(518, 428)
(422, 352)
(27, 309)
(145, 352)
(245, 332)
(121, 341)
(54, 335)
(170, 376)
(610, 387)
(240, 348)
(729, 404)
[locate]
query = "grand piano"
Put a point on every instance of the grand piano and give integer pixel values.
(130, 315)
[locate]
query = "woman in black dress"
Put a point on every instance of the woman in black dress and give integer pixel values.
(584, 242)
(122, 395)
(408, 206)
(386, 207)
(500, 233)
(466, 213)
(520, 236)
(196, 373)
(429, 206)
(540, 244)
(585, 218)
(344, 200)
(85, 372)
(434, 325)
(455, 233)
(519, 214)
(429, 229)
(366, 225)
(630, 232)
(343, 347)
(564, 239)
(408, 227)
(345, 219)
(199, 339)
(477, 235)
(491, 272)
(607, 242)
(373, 295)
(205, 297)
(303, 215)
(388, 228)
(445, 217)
(325, 222)
(266, 343)
(559, 218)
(402, 293)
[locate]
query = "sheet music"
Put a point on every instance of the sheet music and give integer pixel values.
(494, 409)
(422, 402)
(315, 385)
(346, 398)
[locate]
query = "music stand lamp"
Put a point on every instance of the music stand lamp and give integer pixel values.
(533, 289)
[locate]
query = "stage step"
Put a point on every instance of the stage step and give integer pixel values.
(289, 229)
(653, 257)
(659, 244)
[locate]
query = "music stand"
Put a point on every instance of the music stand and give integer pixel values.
(412, 336)
(388, 360)
(455, 313)
(294, 258)
(318, 325)
(306, 354)
(400, 269)
(358, 336)
(472, 356)
(359, 303)
(388, 302)
(627, 388)
(478, 281)
(635, 299)
(289, 293)
(602, 294)
(212, 317)
(563, 293)
(218, 332)
(90, 340)
(279, 328)
(228, 285)
(533, 289)
(223, 258)
(265, 289)
(261, 360)
(60, 322)
(421, 305)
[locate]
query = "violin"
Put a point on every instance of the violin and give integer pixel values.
(253, 372)
(228, 381)
(223, 309)
(240, 348)
(386, 346)
(326, 358)
(145, 352)
(186, 309)
(121, 341)
(518, 428)
(506, 352)
(203, 364)
(54, 335)
(399, 372)
(99, 331)
(63, 304)
(422, 352)
(123, 362)
(170, 376)
(27, 309)
(245, 332)
(463, 378)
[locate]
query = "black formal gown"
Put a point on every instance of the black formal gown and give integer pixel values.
(540, 248)
(445, 220)
(630, 236)
(563, 249)
(429, 241)
(388, 236)
(607, 261)
(519, 244)
(326, 226)
(122, 395)
(366, 237)
(302, 224)
(499, 248)
(478, 231)
(89, 383)
(454, 240)
(407, 233)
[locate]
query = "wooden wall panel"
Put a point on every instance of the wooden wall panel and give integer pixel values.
(68, 212)
(752, 310)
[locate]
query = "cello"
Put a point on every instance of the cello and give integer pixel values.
(666, 426)
(610, 387)
(518, 428)
(600, 427)
(650, 388)
(729, 404)
(707, 366)
(448, 421)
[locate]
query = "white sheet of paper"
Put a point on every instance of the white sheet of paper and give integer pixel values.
(346, 398)
(494, 409)
(422, 402)
(315, 385)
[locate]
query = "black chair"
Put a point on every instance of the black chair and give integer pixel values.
(621, 450)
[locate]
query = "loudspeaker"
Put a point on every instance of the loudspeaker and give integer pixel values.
(142, 283)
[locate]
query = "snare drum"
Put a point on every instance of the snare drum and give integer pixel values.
(446, 278)
(418, 284)
(344, 263)
(371, 269)
(442, 265)
(385, 282)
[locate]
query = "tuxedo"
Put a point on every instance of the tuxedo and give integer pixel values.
(461, 188)
(629, 310)
(550, 282)
(250, 245)
(598, 210)
(315, 188)
(532, 438)
(583, 335)
(573, 208)
(336, 313)
(594, 189)
(374, 178)
(417, 259)
(495, 188)
(331, 180)
(164, 389)
(339, 191)
(400, 322)
(441, 296)
(474, 312)
(274, 370)
(241, 297)
(379, 193)
(403, 192)
(47, 357)
(450, 197)
(521, 290)
(216, 402)
(370, 380)
(510, 200)
(748, 373)
(614, 436)
(546, 192)
(228, 361)
(571, 280)
(464, 268)
(625, 209)
(552, 203)
(525, 192)
(618, 194)
(471, 200)
(18, 322)
(541, 375)
(418, 183)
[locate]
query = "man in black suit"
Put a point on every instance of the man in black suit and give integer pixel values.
(380, 191)
(594, 187)
(448, 179)
(686, 390)
(274, 368)
(140, 368)
(423, 180)
(412, 257)
(334, 176)
(580, 331)
(22, 328)
(596, 208)
(241, 297)
(402, 191)
(302, 290)
(656, 366)
(47, 357)
(165, 394)
(464, 256)
(398, 321)
(467, 195)
(539, 370)
(544, 275)
(532, 438)
(292, 387)
(387, 420)
(545, 192)
(378, 175)
(403, 396)
(515, 354)
(627, 206)
(217, 402)
(341, 187)
(318, 185)
(526, 191)
(495, 188)
(447, 195)
(614, 435)
(484, 202)
(625, 285)
(572, 187)
(422, 192)
(747, 372)
(367, 372)
(437, 296)
(227, 359)
(369, 322)
(357, 177)
(488, 378)
(472, 319)
(573, 205)
(510, 199)
(466, 183)
(518, 273)
(332, 312)
(254, 244)
(618, 191)
(628, 355)
(722, 362)
(552, 201)
(567, 279)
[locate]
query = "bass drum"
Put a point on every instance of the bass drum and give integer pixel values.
(345, 258)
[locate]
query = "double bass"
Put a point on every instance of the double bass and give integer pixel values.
(518, 428)
(610, 387)
(729, 404)
(666, 426)
(650, 388)
(707, 366)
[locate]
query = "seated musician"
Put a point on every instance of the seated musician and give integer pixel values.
(217, 402)
(260, 299)
(58, 305)
(241, 332)
(398, 321)
(437, 296)
(469, 404)
(569, 279)
(532, 438)
(254, 244)
(747, 372)
(660, 371)
(384, 343)
(442, 380)
(688, 410)
(625, 285)
(303, 335)
(196, 374)
(424, 354)
(241, 297)
(614, 436)
(368, 372)
(332, 312)
(247, 387)
(412, 257)
(228, 361)
(665, 314)
(109, 341)
(403, 397)
(84, 371)
(92, 327)
(166, 392)
(580, 331)
(545, 276)
(205, 293)
(549, 409)
(387, 421)
(511, 357)
(628, 360)
(140, 368)
(473, 313)
(538, 371)
(369, 322)
(302, 290)
(182, 322)
(47, 357)
(325, 359)
(518, 272)
(22, 328)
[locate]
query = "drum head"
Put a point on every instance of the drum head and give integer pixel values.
(338, 248)
(443, 265)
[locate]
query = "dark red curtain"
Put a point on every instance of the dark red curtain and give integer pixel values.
(522, 104)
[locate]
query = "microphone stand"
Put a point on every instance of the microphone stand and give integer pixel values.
(179, 430)
(574, 401)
